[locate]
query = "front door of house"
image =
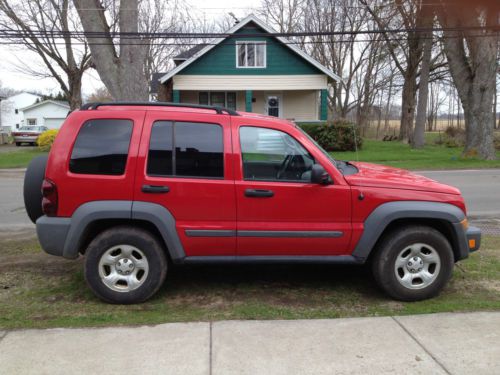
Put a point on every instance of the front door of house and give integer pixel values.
(273, 105)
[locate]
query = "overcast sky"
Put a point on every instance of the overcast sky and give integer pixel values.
(10, 76)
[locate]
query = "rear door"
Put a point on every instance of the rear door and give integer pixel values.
(279, 211)
(185, 165)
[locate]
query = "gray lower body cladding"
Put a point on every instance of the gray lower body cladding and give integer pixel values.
(63, 236)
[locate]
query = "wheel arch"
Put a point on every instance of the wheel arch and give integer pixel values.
(390, 216)
(94, 217)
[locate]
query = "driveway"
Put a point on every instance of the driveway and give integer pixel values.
(437, 343)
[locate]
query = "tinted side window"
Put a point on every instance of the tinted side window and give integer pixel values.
(186, 149)
(101, 147)
(160, 149)
(273, 155)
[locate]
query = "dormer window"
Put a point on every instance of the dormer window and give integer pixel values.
(251, 54)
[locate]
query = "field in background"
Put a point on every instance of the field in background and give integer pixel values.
(441, 126)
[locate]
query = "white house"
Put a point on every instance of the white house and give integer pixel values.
(49, 113)
(10, 109)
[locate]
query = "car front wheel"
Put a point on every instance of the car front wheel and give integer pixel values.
(413, 263)
(125, 265)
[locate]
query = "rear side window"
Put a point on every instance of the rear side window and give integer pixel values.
(186, 149)
(101, 147)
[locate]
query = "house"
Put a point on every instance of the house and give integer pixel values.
(249, 71)
(10, 109)
(49, 113)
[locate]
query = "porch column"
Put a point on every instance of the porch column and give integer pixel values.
(176, 96)
(248, 100)
(323, 109)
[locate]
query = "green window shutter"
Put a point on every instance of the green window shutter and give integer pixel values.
(323, 112)
(176, 96)
(248, 101)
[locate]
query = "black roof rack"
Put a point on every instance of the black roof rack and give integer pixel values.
(218, 110)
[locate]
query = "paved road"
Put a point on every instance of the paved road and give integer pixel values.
(436, 344)
(480, 188)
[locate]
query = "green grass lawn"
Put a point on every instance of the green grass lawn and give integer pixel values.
(19, 157)
(400, 155)
(37, 290)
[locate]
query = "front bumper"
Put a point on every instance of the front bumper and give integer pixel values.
(473, 236)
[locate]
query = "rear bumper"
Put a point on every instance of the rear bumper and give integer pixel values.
(52, 233)
(28, 139)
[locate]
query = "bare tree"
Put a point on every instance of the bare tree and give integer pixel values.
(37, 24)
(472, 57)
(120, 63)
(418, 139)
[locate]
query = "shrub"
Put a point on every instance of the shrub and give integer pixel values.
(338, 135)
(46, 139)
(496, 141)
(454, 137)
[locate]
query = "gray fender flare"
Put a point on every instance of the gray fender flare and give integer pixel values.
(153, 213)
(386, 213)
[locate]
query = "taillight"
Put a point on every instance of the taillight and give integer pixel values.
(49, 200)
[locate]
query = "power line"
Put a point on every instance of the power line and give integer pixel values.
(6, 33)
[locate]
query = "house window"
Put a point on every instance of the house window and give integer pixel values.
(31, 121)
(251, 54)
(16, 111)
(218, 98)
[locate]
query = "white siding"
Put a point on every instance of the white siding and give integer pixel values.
(47, 114)
(8, 107)
(250, 82)
(297, 105)
(301, 105)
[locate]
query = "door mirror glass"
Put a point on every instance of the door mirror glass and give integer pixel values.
(319, 175)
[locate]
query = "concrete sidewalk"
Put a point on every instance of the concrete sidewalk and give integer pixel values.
(436, 343)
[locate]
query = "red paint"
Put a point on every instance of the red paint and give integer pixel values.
(204, 204)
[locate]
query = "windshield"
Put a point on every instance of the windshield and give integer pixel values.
(318, 146)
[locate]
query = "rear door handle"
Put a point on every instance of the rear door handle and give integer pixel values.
(259, 193)
(155, 189)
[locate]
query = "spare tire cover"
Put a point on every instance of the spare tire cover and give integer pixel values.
(35, 173)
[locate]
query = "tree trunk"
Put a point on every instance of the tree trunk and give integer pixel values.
(408, 105)
(473, 70)
(423, 94)
(75, 90)
(122, 74)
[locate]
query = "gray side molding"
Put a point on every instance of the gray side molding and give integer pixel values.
(86, 214)
(164, 222)
(386, 213)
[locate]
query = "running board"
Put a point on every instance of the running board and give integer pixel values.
(320, 259)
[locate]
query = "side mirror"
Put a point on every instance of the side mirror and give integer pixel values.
(319, 175)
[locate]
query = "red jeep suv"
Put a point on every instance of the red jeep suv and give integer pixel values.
(136, 187)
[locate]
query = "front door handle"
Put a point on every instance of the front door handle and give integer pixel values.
(259, 193)
(155, 189)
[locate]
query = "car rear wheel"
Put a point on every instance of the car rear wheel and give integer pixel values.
(125, 265)
(413, 263)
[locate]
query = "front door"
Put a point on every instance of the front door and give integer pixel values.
(274, 105)
(279, 211)
(184, 165)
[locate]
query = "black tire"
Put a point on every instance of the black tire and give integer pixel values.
(18, 144)
(391, 246)
(141, 239)
(32, 190)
